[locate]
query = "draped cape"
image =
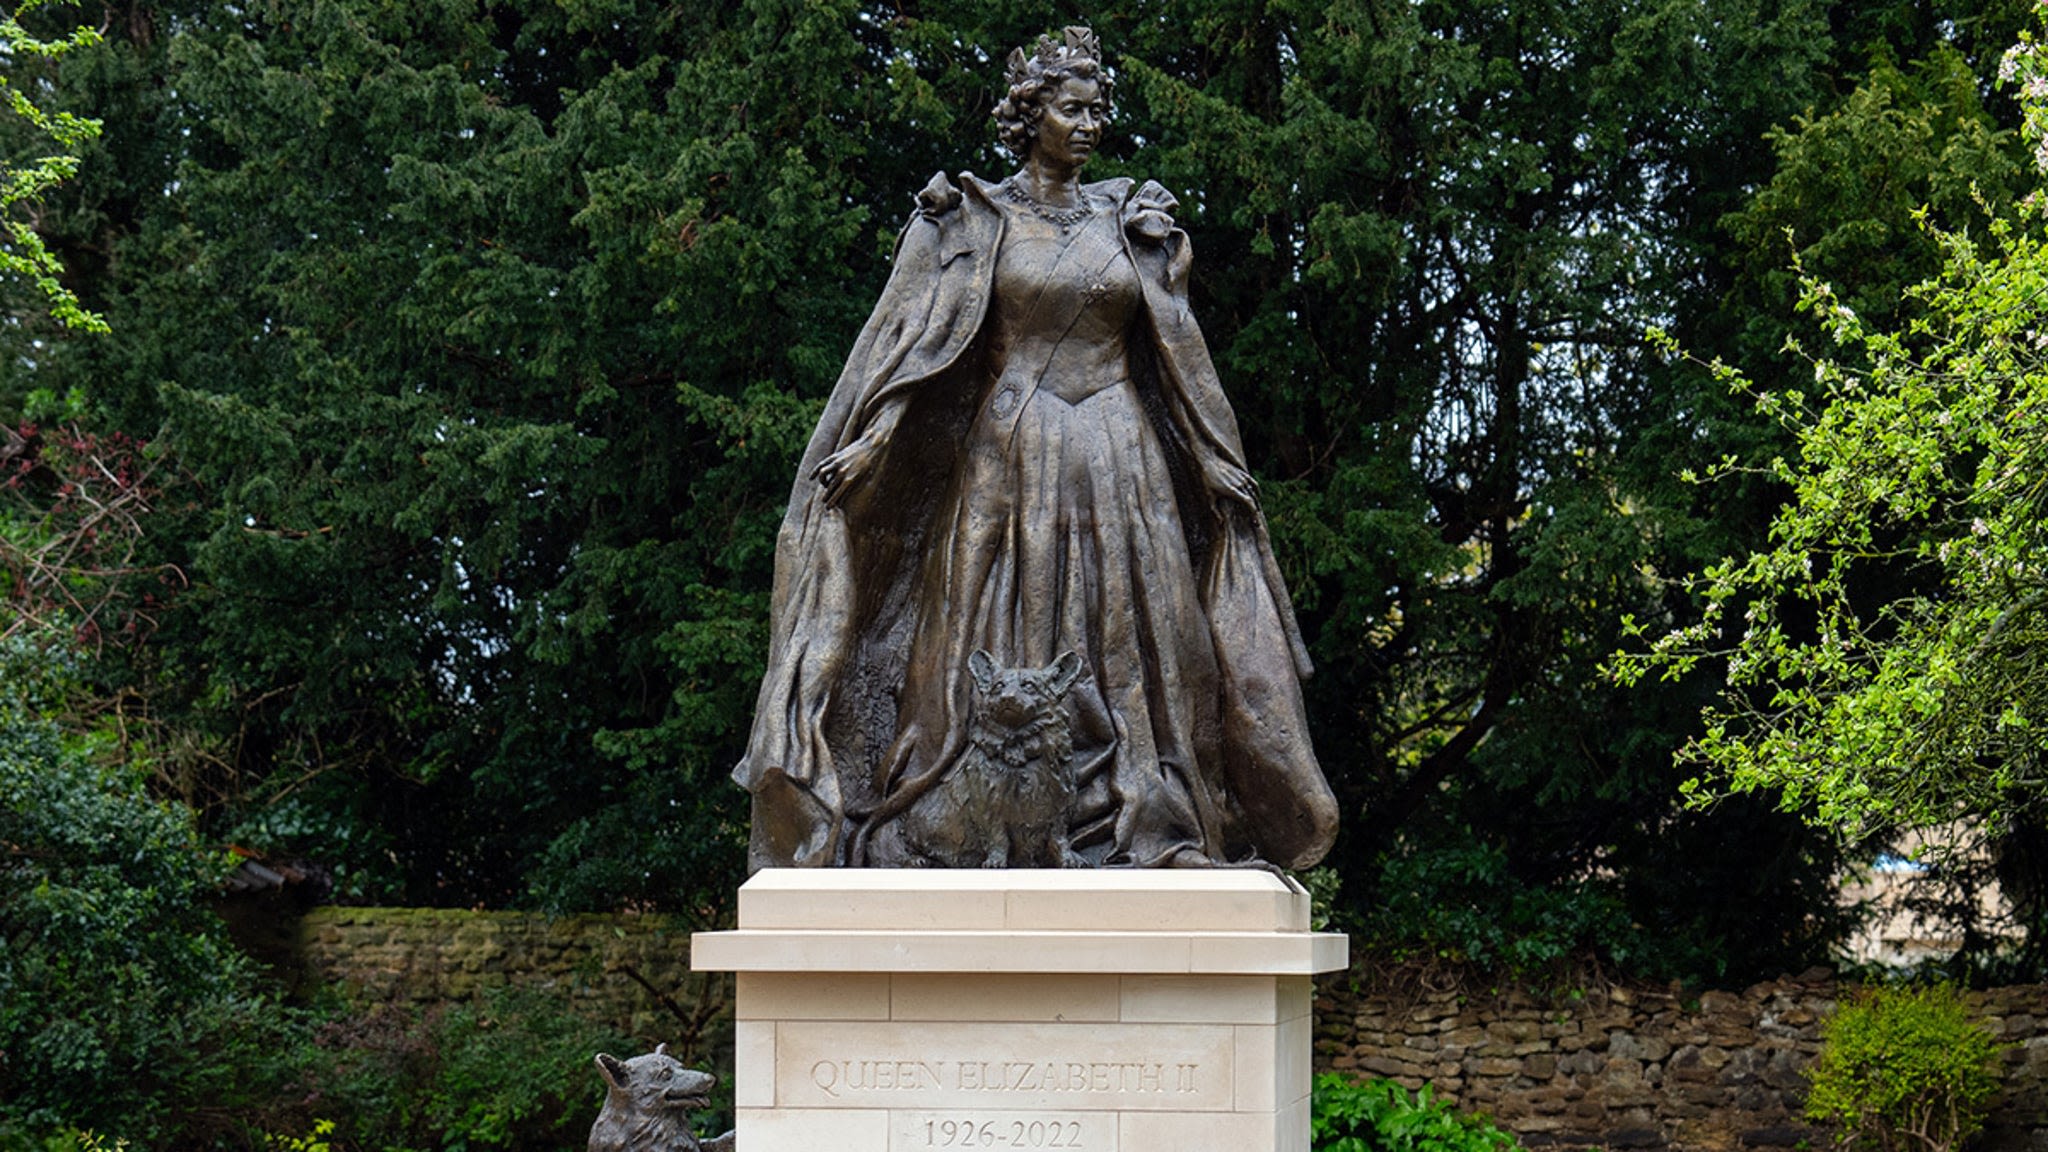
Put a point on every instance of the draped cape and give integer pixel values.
(847, 579)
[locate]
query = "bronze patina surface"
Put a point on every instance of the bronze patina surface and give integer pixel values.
(647, 1105)
(1028, 473)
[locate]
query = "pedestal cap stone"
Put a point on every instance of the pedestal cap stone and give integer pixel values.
(1079, 921)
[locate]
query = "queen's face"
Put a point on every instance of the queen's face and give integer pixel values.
(1072, 124)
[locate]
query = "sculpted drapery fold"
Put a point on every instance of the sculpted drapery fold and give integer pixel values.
(848, 733)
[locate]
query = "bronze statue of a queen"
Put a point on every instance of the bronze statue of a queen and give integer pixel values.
(1029, 463)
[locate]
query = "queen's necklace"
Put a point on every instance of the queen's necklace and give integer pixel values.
(1064, 218)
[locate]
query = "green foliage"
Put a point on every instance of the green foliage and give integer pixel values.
(1904, 1068)
(1881, 651)
(65, 1140)
(510, 1071)
(1460, 905)
(1381, 1116)
(24, 61)
(121, 1001)
(317, 1140)
(516, 1070)
(1685, 913)
(1852, 185)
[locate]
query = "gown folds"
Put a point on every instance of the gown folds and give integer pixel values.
(1042, 493)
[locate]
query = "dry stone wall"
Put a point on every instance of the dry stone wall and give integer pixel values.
(1632, 1068)
(1623, 1068)
(611, 968)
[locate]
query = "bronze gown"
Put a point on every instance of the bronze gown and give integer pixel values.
(1041, 495)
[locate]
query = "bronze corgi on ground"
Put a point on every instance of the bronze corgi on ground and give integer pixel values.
(647, 1105)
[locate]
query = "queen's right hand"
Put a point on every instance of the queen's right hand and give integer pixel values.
(1227, 481)
(843, 471)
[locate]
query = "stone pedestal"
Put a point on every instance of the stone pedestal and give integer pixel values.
(1103, 1011)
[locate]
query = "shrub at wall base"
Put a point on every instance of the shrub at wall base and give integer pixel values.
(1904, 1069)
(1381, 1116)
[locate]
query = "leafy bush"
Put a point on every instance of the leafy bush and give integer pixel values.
(121, 1001)
(314, 1141)
(63, 1140)
(1381, 1116)
(512, 1070)
(1463, 904)
(516, 1070)
(1904, 1068)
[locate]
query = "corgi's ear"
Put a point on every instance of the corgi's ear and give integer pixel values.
(613, 1069)
(1065, 671)
(982, 667)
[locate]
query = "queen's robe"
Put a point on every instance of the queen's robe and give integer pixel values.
(824, 762)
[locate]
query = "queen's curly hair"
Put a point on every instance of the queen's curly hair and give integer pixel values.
(1076, 56)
